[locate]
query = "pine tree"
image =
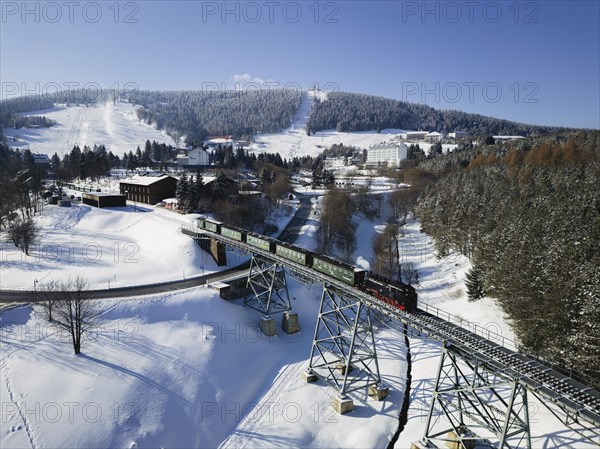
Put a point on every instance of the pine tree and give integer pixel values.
(155, 150)
(132, 163)
(220, 185)
(147, 155)
(182, 193)
(55, 162)
(474, 284)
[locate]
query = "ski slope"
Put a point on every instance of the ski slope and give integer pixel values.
(114, 125)
(294, 141)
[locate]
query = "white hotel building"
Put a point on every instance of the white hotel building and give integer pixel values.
(387, 153)
(193, 158)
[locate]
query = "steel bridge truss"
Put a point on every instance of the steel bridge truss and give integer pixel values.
(343, 351)
(469, 402)
(267, 280)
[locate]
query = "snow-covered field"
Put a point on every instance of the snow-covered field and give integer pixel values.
(114, 125)
(113, 247)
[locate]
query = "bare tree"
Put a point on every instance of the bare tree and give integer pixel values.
(280, 186)
(403, 202)
(410, 273)
(336, 230)
(75, 311)
(46, 298)
(385, 252)
(23, 233)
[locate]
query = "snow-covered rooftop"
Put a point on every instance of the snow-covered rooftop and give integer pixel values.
(145, 180)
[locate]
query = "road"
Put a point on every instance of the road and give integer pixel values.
(289, 234)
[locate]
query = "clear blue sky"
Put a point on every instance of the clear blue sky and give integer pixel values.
(534, 62)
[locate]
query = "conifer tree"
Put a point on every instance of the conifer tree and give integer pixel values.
(474, 284)
(182, 192)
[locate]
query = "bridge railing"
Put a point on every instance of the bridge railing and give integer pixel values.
(478, 329)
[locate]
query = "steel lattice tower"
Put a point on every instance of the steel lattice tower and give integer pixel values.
(268, 283)
(343, 351)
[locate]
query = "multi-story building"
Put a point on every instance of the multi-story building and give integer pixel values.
(194, 158)
(390, 153)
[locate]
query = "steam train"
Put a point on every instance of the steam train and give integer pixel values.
(396, 294)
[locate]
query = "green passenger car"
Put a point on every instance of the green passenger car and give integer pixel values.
(260, 242)
(231, 233)
(212, 226)
(301, 257)
(347, 274)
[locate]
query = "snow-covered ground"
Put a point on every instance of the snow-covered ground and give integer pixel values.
(181, 370)
(441, 285)
(188, 369)
(547, 432)
(112, 247)
(114, 125)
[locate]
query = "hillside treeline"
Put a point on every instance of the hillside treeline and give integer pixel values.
(345, 112)
(198, 115)
(530, 222)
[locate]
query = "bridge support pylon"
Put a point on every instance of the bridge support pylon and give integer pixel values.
(269, 287)
(470, 403)
(343, 351)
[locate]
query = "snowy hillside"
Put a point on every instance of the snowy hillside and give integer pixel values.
(294, 140)
(114, 125)
(188, 369)
(117, 127)
(111, 247)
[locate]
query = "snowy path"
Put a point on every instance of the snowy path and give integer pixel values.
(14, 419)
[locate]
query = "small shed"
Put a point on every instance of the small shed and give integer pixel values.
(103, 199)
(171, 203)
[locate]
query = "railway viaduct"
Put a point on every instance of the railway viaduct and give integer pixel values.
(482, 384)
